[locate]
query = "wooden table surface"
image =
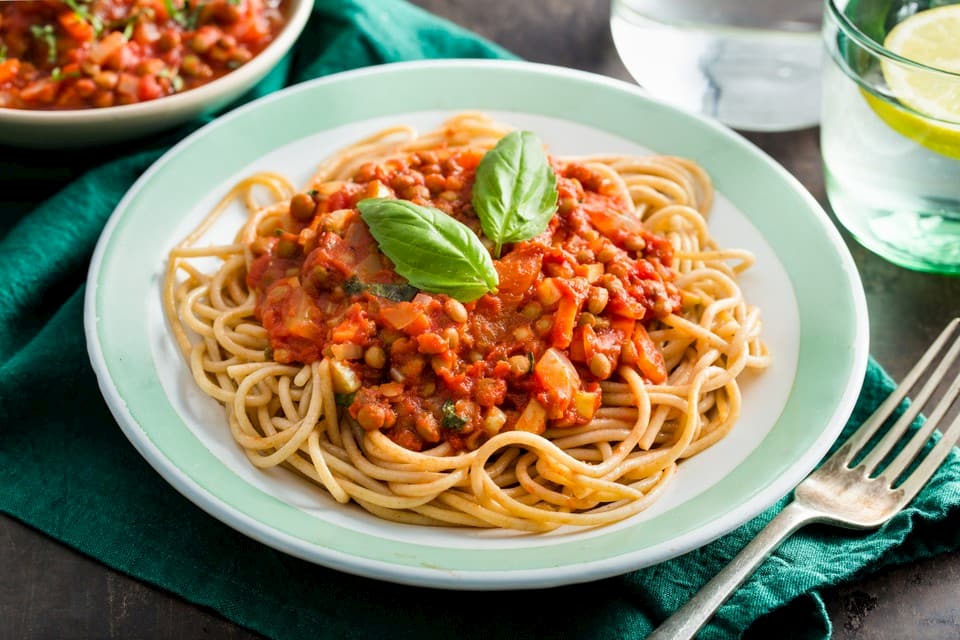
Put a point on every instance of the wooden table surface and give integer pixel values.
(49, 591)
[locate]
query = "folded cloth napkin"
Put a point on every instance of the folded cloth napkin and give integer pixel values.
(66, 469)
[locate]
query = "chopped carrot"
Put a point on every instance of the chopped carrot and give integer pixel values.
(649, 358)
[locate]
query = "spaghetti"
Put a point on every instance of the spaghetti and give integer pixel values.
(609, 352)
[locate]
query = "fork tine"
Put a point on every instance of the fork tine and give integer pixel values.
(931, 463)
(919, 439)
(890, 439)
(867, 430)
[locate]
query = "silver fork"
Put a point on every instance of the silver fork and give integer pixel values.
(857, 496)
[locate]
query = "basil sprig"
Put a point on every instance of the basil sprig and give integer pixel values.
(395, 292)
(515, 193)
(450, 418)
(430, 249)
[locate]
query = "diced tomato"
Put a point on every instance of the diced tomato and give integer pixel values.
(624, 303)
(559, 380)
(406, 439)
(9, 69)
(43, 91)
(252, 30)
(146, 32)
(77, 28)
(356, 327)
(406, 317)
(335, 255)
(149, 88)
(107, 47)
(611, 222)
(518, 271)
(400, 315)
(292, 322)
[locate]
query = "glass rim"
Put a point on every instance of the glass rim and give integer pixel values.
(854, 32)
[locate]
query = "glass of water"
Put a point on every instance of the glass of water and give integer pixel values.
(752, 64)
(890, 127)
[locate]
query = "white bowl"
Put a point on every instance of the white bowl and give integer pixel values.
(88, 127)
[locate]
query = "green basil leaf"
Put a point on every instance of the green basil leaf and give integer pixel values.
(450, 418)
(343, 399)
(395, 292)
(353, 286)
(515, 192)
(430, 249)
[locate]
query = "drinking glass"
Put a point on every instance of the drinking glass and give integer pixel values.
(892, 169)
(752, 64)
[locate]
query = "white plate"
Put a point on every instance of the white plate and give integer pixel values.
(791, 412)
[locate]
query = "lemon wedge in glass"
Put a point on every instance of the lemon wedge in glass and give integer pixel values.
(931, 38)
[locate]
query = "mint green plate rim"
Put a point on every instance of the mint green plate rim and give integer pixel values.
(832, 357)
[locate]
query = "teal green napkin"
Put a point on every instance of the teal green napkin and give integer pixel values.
(66, 469)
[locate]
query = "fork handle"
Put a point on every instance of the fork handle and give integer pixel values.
(688, 619)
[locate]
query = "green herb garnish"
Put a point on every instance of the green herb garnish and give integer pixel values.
(49, 38)
(353, 286)
(3, 52)
(344, 399)
(191, 18)
(172, 11)
(175, 80)
(515, 193)
(395, 292)
(430, 249)
(130, 22)
(450, 418)
(83, 10)
(188, 16)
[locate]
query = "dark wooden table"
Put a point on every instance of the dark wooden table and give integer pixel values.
(49, 591)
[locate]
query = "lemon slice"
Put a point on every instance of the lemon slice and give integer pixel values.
(930, 38)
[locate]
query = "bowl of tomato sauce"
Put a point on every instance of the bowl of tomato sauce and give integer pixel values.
(85, 72)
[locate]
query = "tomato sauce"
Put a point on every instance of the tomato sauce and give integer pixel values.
(79, 54)
(572, 305)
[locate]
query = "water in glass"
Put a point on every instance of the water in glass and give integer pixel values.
(892, 170)
(752, 64)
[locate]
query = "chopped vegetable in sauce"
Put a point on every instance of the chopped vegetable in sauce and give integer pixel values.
(572, 305)
(78, 54)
